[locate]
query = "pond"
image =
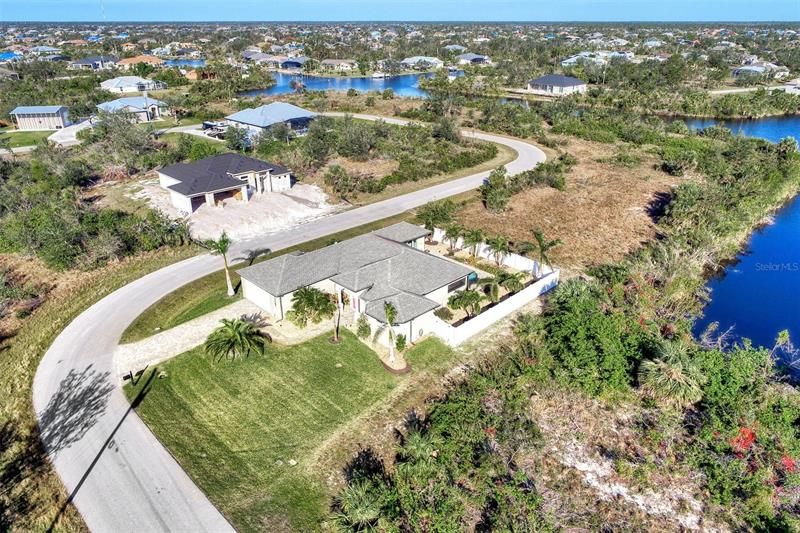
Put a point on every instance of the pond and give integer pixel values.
(758, 295)
(404, 85)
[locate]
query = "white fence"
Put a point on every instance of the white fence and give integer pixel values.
(515, 261)
(454, 336)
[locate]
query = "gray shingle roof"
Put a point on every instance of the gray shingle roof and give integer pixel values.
(402, 232)
(385, 269)
(557, 80)
(214, 173)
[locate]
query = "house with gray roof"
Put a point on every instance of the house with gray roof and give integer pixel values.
(140, 108)
(215, 179)
(94, 63)
(260, 119)
(473, 59)
(365, 272)
(556, 85)
(131, 84)
(40, 117)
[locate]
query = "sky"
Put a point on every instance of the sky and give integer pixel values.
(398, 10)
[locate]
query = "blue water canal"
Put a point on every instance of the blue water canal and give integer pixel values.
(759, 294)
(405, 85)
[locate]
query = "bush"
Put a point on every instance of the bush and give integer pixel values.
(400, 343)
(363, 330)
(443, 313)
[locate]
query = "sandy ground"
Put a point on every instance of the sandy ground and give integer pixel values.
(263, 214)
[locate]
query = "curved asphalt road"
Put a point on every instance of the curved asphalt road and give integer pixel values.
(118, 474)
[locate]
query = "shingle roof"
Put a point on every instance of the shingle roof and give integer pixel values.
(214, 173)
(470, 56)
(402, 232)
(557, 80)
(124, 81)
(270, 114)
(132, 102)
(28, 109)
(384, 269)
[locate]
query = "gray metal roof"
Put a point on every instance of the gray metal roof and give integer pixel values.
(557, 80)
(270, 114)
(214, 173)
(31, 109)
(130, 103)
(385, 269)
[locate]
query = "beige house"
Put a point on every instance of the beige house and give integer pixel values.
(41, 117)
(339, 65)
(364, 273)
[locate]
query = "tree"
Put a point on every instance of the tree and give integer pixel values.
(544, 246)
(281, 132)
(495, 192)
(237, 139)
(436, 213)
(472, 239)
(510, 281)
(672, 377)
(491, 287)
(236, 338)
(390, 312)
(221, 247)
(499, 247)
(452, 234)
(468, 300)
(310, 304)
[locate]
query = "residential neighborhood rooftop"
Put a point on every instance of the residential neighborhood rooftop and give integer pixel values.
(134, 103)
(267, 115)
(30, 109)
(557, 80)
(215, 173)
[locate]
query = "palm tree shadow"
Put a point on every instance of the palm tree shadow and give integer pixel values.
(251, 255)
(81, 398)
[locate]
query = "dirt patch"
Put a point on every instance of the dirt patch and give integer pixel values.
(604, 213)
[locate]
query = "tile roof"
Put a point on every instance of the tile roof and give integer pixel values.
(214, 173)
(267, 115)
(386, 270)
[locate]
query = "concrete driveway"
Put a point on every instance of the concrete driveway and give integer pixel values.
(118, 474)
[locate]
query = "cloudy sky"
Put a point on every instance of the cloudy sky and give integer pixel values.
(433, 10)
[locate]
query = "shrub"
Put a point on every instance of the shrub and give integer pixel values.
(400, 343)
(363, 330)
(444, 313)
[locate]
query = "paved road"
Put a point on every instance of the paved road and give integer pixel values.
(120, 477)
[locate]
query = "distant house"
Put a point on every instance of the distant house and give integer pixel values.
(339, 65)
(761, 68)
(455, 48)
(294, 63)
(41, 117)
(44, 50)
(556, 85)
(131, 84)
(262, 118)
(6, 74)
(141, 108)
(473, 59)
(129, 62)
(365, 273)
(422, 63)
(94, 63)
(218, 178)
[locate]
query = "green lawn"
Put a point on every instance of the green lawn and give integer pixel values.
(24, 138)
(235, 426)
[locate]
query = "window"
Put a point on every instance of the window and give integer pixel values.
(456, 285)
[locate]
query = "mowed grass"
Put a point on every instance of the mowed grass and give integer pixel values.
(18, 139)
(235, 427)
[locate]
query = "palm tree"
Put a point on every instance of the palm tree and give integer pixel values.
(310, 304)
(672, 377)
(469, 301)
(236, 338)
(499, 247)
(491, 287)
(544, 246)
(510, 281)
(390, 312)
(472, 239)
(452, 234)
(359, 506)
(221, 247)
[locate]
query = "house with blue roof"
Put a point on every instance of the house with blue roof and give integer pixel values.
(40, 117)
(140, 108)
(260, 119)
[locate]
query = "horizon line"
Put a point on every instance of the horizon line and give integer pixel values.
(401, 21)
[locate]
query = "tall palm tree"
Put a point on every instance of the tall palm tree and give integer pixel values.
(672, 378)
(544, 246)
(310, 304)
(236, 338)
(390, 312)
(499, 247)
(469, 301)
(473, 238)
(452, 234)
(220, 247)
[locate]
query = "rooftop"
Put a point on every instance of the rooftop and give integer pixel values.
(267, 115)
(215, 173)
(557, 80)
(131, 103)
(31, 109)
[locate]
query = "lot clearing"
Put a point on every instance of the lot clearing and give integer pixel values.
(604, 213)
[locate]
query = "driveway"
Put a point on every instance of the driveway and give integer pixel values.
(68, 135)
(118, 474)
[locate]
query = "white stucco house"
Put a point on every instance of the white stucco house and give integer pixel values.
(556, 85)
(260, 119)
(139, 108)
(214, 179)
(131, 84)
(387, 265)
